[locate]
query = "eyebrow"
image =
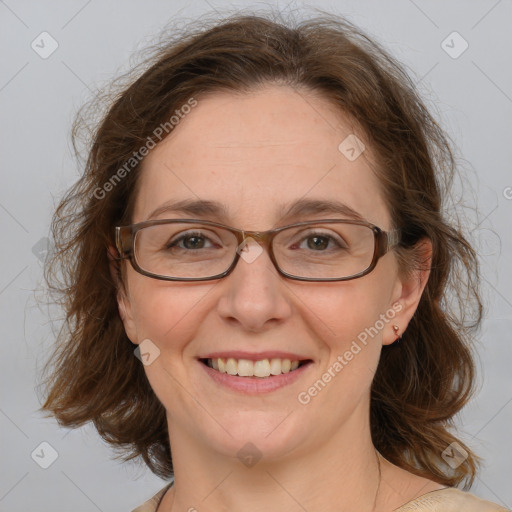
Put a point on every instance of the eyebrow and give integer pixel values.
(300, 208)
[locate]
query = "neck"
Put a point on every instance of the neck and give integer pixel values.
(341, 474)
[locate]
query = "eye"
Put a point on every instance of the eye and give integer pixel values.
(191, 241)
(319, 242)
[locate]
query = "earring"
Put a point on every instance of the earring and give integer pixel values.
(396, 329)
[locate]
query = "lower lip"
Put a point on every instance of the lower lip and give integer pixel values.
(256, 385)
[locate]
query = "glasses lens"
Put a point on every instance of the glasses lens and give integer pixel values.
(323, 251)
(184, 250)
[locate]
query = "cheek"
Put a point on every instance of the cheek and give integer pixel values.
(340, 313)
(166, 313)
(348, 321)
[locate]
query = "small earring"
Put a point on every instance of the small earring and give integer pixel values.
(396, 329)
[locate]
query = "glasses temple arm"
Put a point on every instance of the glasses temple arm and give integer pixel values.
(392, 239)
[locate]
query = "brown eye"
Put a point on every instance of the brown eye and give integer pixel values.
(190, 241)
(318, 242)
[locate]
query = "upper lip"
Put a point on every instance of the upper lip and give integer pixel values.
(255, 356)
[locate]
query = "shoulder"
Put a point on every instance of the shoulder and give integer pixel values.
(152, 504)
(450, 500)
(444, 500)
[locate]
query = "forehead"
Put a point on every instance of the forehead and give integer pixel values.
(257, 153)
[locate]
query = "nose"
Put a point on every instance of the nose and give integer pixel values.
(254, 293)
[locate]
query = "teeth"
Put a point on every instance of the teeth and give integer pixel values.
(231, 366)
(275, 366)
(245, 368)
(248, 368)
(261, 368)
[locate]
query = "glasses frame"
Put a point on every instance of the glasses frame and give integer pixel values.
(384, 241)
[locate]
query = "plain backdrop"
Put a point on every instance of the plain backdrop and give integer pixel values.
(469, 88)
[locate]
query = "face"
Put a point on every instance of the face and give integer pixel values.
(257, 154)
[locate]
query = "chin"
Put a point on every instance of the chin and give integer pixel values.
(258, 435)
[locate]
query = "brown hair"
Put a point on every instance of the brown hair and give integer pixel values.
(420, 384)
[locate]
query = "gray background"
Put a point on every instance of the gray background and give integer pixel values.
(471, 94)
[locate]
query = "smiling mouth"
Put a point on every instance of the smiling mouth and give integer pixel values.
(247, 368)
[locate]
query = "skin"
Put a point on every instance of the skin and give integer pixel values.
(255, 152)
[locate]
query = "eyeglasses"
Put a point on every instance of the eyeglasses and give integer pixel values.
(200, 250)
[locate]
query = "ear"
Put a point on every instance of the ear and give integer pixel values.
(408, 291)
(123, 300)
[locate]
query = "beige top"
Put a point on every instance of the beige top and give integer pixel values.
(444, 500)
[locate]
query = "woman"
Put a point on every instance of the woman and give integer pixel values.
(261, 218)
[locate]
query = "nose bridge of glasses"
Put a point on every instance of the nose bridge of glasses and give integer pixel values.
(262, 238)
